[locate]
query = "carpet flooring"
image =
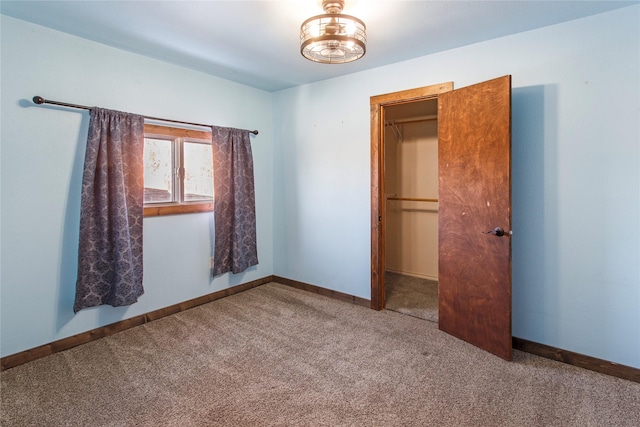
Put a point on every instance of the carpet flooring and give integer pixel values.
(279, 356)
(411, 295)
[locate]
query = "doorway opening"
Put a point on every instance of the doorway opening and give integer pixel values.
(404, 201)
(410, 143)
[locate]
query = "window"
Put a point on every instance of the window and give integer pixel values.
(178, 171)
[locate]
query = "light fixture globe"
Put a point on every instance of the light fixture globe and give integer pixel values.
(333, 38)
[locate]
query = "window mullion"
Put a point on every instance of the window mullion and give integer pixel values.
(178, 168)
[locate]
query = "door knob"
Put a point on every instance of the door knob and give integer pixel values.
(498, 231)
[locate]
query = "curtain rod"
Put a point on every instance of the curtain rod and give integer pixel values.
(40, 100)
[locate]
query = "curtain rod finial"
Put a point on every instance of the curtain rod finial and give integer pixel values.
(38, 100)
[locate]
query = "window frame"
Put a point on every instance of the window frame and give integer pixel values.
(177, 207)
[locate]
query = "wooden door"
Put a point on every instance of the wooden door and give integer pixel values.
(474, 189)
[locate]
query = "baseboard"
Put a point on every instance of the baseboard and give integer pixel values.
(579, 360)
(542, 350)
(104, 331)
(323, 291)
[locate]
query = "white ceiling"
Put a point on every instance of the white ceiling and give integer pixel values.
(256, 42)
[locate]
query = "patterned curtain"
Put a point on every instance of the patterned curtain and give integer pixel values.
(235, 246)
(110, 250)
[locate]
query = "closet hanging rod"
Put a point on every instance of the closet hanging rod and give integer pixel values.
(414, 120)
(40, 100)
(412, 199)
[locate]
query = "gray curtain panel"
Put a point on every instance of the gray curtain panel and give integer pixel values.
(235, 247)
(110, 249)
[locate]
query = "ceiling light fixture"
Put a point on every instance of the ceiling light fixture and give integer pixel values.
(333, 38)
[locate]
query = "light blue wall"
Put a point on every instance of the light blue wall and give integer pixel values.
(42, 152)
(576, 182)
(576, 179)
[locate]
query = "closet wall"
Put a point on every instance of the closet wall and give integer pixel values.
(411, 171)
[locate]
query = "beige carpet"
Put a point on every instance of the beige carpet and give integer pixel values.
(278, 356)
(411, 295)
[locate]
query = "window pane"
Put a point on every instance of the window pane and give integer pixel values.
(198, 172)
(158, 177)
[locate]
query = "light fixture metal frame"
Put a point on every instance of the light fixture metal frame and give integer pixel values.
(347, 48)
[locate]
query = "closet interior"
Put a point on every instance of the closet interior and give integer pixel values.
(411, 192)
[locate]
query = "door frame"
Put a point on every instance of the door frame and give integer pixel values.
(378, 104)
